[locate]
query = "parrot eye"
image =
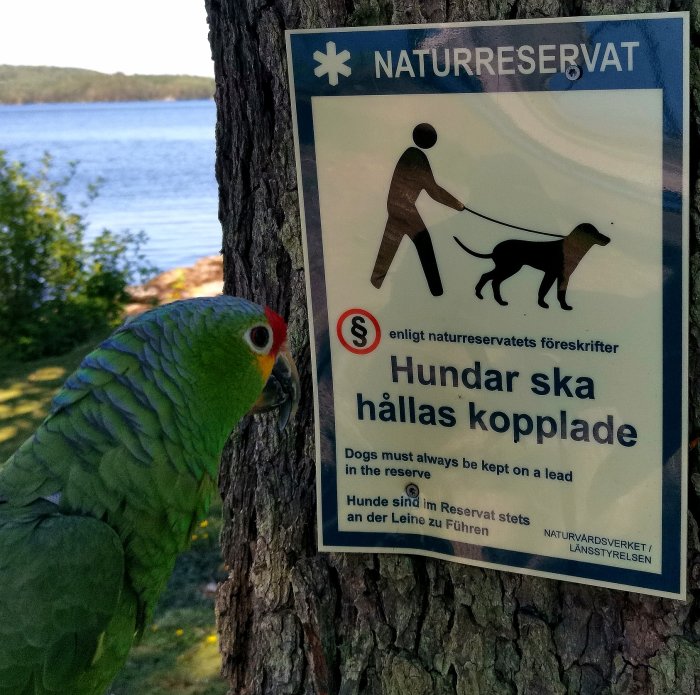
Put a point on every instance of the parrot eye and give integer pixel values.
(259, 338)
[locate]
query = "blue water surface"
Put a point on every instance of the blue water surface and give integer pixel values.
(156, 159)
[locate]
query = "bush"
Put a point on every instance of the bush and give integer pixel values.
(56, 289)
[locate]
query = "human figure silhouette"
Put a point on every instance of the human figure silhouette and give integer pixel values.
(411, 176)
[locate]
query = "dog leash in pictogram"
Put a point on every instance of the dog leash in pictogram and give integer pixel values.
(512, 226)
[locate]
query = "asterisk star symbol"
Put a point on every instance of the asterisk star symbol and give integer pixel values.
(332, 63)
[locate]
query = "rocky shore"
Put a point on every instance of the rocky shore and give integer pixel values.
(203, 279)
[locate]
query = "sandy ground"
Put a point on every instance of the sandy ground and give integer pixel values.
(203, 279)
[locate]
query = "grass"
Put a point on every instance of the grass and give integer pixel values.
(178, 654)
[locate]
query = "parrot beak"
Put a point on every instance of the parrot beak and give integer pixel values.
(282, 389)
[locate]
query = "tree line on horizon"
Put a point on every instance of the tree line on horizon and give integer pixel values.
(32, 85)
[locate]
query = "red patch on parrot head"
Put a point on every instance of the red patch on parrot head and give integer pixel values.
(279, 329)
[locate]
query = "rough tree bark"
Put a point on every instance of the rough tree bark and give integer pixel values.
(293, 621)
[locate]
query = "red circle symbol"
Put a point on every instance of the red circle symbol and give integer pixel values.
(361, 343)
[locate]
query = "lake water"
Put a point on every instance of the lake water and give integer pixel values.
(157, 159)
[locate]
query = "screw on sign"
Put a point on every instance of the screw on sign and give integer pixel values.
(358, 331)
(412, 490)
(573, 72)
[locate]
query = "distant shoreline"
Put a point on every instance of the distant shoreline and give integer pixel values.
(24, 85)
(106, 102)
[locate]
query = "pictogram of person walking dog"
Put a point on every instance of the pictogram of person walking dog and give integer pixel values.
(557, 259)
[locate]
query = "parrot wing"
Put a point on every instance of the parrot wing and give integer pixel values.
(61, 579)
(111, 360)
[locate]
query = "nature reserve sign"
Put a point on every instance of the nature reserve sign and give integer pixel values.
(495, 227)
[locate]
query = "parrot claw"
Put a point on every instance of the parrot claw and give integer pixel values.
(282, 390)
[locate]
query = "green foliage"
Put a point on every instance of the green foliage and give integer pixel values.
(55, 288)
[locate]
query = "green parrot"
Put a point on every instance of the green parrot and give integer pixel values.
(96, 505)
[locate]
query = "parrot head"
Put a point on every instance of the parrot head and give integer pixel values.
(281, 390)
(234, 351)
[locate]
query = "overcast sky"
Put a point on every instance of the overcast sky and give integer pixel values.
(129, 36)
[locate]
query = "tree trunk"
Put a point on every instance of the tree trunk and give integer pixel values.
(295, 621)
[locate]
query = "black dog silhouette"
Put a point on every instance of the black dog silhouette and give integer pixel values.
(557, 259)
